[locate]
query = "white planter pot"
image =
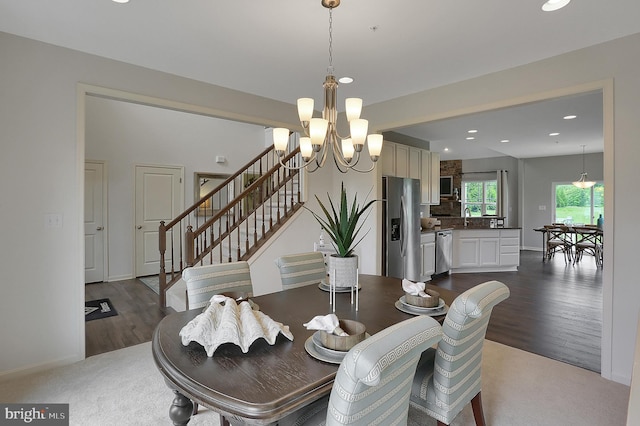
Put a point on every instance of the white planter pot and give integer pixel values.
(343, 271)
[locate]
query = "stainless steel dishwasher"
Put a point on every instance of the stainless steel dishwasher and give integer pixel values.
(444, 251)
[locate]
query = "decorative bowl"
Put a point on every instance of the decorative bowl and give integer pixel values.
(428, 222)
(356, 334)
(431, 301)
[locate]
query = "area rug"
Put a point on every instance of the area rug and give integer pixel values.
(97, 309)
(152, 282)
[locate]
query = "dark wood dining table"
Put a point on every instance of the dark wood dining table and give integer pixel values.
(269, 381)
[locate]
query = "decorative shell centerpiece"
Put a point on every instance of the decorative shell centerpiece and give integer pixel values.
(225, 321)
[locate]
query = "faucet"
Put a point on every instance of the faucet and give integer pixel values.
(467, 213)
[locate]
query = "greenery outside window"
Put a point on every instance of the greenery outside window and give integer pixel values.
(480, 196)
(578, 206)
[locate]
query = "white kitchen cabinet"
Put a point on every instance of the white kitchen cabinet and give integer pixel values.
(486, 250)
(415, 163)
(434, 179)
(428, 253)
(509, 247)
(405, 161)
(402, 161)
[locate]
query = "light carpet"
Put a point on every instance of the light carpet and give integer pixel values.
(124, 387)
(153, 282)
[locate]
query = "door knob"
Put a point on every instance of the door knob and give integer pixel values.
(139, 227)
(99, 228)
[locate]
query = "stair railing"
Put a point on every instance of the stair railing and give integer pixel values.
(267, 195)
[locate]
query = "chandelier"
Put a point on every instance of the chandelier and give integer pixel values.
(321, 134)
(583, 182)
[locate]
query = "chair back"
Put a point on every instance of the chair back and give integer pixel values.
(297, 270)
(374, 380)
(458, 358)
(205, 281)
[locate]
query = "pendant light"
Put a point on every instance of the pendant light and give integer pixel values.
(583, 182)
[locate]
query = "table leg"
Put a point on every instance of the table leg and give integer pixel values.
(181, 409)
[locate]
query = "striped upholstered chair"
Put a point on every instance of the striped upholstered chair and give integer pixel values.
(448, 378)
(373, 382)
(297, 270)
(205, 281)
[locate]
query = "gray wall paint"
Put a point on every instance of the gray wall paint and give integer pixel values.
(538, 177)
(124, 134)
(43, 287)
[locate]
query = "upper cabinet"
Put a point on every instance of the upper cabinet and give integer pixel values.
(407, 161)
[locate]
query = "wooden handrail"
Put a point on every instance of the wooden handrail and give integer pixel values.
(193, 236)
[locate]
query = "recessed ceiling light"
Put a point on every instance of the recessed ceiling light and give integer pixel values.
(504, 140)
(554, 134)
(470, 138)
(121, 1)
(345, 80)
(569, 117)
(552, 5)
(446, 149)
(472, 131)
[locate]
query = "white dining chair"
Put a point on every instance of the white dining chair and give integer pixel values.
(448, 377)
(297, 270)
(373, 382)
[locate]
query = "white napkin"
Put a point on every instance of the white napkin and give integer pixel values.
(415, 289)
(328, 323)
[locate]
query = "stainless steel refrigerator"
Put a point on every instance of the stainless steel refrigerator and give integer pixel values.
(401, 228)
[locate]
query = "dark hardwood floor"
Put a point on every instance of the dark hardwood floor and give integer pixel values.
(138, 315)
(555, 310)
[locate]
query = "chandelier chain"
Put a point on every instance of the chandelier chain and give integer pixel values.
(331, 40)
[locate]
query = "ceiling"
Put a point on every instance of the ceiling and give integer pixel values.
(279, 50)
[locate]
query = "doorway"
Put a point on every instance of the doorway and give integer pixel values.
(95, 215)
(159, 196)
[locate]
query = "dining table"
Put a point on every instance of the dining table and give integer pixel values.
(573, 235)
(269, 382)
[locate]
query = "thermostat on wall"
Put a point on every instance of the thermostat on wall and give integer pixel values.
(220, 159)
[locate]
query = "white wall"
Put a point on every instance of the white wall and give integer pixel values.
(125, 134)
(612, 67)
(539, 175)
(41, 172)
(42, 286)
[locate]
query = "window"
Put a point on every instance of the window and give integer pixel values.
(480, 196)
(578, 206)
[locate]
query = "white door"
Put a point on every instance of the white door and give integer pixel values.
(159, 197)
(94, 239)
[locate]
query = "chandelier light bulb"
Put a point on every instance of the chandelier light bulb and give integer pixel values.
(375, 145)
(306, 149)
(347, 149)
(318, 132)
(280, 139)
(359, 129)
(353, 108)
(305, 109)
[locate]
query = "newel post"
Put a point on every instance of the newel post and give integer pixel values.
(162, 277)
(189, 246)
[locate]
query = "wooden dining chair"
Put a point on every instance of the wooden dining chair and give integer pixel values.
(559, 238)
(448, 378)
(297, 270)
(588, 240)
(373, 381)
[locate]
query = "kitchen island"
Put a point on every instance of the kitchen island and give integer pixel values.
(485, 250)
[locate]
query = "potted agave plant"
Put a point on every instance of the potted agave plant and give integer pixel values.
(343, 227)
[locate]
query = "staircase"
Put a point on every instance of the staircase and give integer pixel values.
(268, 194)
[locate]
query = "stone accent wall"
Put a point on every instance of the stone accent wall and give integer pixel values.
(448, 206)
